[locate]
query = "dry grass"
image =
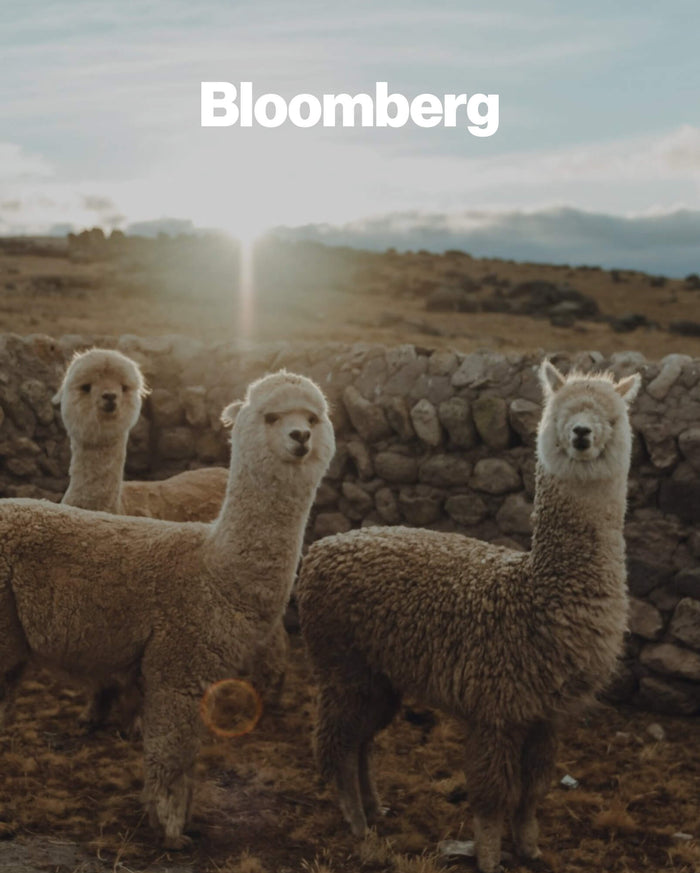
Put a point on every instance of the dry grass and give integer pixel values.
(260, 807)
(323, 295)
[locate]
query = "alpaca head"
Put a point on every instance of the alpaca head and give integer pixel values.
(100, 397)
(282, 427)
(584, 432)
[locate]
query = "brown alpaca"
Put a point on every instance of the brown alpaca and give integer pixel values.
(184, 604)
(506, 641)
(100, 399)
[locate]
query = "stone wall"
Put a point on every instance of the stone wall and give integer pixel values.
(435, 439)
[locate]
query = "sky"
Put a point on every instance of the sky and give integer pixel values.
(597, 155)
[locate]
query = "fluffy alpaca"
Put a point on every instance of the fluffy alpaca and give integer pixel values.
(100, 399)
(184, 604)
(507, 641)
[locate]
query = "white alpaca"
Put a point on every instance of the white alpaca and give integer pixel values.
(184, 604)
(507, 641)
(100, 399)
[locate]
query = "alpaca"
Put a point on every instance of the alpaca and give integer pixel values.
(183, 604)
(507, 641)
(100, 399)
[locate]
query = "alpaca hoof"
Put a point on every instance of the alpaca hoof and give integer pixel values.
(179, 843)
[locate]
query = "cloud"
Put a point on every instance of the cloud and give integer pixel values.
(664, 243)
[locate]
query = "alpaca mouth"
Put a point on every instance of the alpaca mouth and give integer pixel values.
(300, 451)
(109, 406)
(581, 443)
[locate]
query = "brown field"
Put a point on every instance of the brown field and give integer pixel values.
(307, 292)
(69, 802)
(260, 807)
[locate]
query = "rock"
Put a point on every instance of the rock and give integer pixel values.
(194, 401)
(681, 839)
(689, 444)
(643, 577)
(426, 423)
(660, 444)
(671, 660)
(166, 410)
(419, 508)
(515, 515)
(471, 372)
(495, 476)
(668, 695)
(491, 420)
(359, 454)
(445, 471)
(23, 467)
(367, 418)
(656, 732)
(387, 506)
(628, 322)
(176, 443)
(524, 417)
(450, 299)
(360, 500)
(37, 397)
(687, 582)
(456, 417)
(685, 624)
(681, 498)
(671, 367)
(466, 509)
(645, 620)
(399, 418)
(329, 523)
(394, 467)
(326, 495)
(685, 327)
(442, 363)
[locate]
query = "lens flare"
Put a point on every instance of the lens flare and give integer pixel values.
(230, 708)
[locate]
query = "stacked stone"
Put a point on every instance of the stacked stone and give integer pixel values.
(429, 438)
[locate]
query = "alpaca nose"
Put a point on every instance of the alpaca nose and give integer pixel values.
(109, 396)
(581, 440)
(581, 430)
(301, 436)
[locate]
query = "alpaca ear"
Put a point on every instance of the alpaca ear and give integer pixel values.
(628, 387)
(144, 391)
(56, 399)
(551, 379)
(228, 416)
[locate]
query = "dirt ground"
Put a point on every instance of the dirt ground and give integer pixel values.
(70, 802)
(73, 798)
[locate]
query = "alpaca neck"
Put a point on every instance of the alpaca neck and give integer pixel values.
(96, 474)
(259, 534)
(578, 522)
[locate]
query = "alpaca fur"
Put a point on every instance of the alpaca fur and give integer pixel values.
(100, 399)
(183, 604)
(507, 641)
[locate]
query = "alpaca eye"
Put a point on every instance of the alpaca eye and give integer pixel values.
(125, 389)
(313, 419)
(86, 388)
(271, 418)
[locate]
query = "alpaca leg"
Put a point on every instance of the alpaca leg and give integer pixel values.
(170, 744)
(8, 691)
(539, 749)
(368, 788)
(338, 754)
(14, 653)
(493, 784)
(98, 709)
(378, 713)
